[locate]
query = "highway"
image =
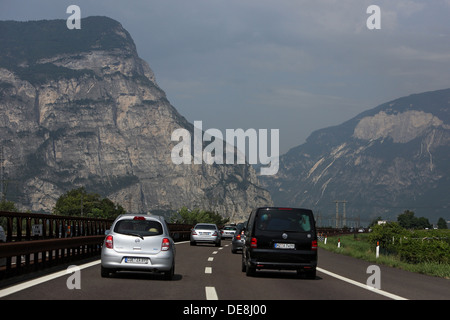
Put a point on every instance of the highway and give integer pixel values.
(205, 272)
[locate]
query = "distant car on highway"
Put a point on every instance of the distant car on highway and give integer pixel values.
(138, 243)
(237, 243)
(228, 232)
(206, 233)
(280, 239)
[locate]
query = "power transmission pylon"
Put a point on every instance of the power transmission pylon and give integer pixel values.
(344, 220)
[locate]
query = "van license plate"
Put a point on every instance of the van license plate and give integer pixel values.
(136, 260)
(284, 246)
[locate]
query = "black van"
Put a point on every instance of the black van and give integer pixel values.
(281, 239)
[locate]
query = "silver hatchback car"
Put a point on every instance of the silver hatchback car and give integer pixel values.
(206, 233)
(138, 243)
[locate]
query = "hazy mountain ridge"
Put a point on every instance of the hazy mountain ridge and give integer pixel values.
(393, 157)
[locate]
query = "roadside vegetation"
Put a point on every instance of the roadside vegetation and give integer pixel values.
(421, 251)
(188, 216)
(79, 202)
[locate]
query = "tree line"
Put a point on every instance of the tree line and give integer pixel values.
(78, 202)
(408, 220)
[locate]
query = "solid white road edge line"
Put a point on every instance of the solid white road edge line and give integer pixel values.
(22, 286)
(364, 286)
(31, 283)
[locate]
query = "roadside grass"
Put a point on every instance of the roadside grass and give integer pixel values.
(358, 246)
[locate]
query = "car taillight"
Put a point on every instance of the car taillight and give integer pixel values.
(193, 232)
(238, 237)
(214, 234)
(254, 243)
(314, 245)
(165, 244)
(109, 242)
(139, 218)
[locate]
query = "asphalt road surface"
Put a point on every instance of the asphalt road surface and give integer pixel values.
(205, 272)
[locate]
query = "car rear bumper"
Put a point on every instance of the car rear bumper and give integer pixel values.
(162, 261)
(205, 239)
(237, 244)
(282, 265)
(228, 235)
(282, 260)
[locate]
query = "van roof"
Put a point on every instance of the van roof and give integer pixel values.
(283, 208)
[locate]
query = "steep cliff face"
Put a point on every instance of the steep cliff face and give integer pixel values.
(80, 108)
(388, 159)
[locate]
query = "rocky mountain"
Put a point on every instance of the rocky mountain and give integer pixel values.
(80, 108)
(382, 162)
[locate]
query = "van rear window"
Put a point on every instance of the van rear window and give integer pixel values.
(284, 220)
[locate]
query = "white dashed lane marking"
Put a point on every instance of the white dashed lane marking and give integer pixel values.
(211, 293)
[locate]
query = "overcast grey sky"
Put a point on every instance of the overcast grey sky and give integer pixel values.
(296, 66)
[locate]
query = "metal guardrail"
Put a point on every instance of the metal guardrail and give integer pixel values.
(180, 232)
(37, 241)
(336, 231)
(29, 256)
(21, 226)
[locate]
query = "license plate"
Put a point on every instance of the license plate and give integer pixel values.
(136, 260)
(284, 246)
(204, 233)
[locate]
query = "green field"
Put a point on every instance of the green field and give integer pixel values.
(360, 246)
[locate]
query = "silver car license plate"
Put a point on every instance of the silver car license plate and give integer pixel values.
(136, 260)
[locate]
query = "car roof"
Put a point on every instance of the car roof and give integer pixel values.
(146, 216)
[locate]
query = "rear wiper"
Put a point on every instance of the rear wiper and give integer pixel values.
(134, 234)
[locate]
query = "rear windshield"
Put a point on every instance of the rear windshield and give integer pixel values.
(284, 220)
(205, 226)
(142, 228)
